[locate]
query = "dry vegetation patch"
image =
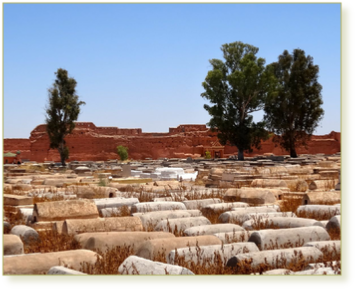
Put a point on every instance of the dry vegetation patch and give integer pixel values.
(52, 241)
(109, 262)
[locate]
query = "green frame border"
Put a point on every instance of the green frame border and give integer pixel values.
(347, 276)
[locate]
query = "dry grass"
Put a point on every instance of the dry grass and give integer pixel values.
(317, 215)
(14, 216)
(290, 204)
(237, 237)
(99, 192)
(150, 226)
(262, 223)
(205, 265)
(213, 216)
(298, 263)
(108, 262)
(335, 234)
(52, 241)
(273, 245)
(175, 231)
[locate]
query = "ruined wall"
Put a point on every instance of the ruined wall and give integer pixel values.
(18, 144)
(327, 144)
(88, 142)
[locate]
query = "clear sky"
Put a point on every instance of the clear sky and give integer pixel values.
(142, 65)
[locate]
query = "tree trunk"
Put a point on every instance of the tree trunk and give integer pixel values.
(240, 155)
(293, 153)
(62, 153)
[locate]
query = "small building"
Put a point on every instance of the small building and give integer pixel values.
(216, 149)
(12, 158)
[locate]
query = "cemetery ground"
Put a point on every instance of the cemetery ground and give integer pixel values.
(267, 215)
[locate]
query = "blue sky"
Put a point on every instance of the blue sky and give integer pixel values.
(142, 65)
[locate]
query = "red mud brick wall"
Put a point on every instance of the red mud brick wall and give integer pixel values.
(88, 142)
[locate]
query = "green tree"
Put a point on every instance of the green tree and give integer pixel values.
(62, 110)
(236, 88)
(293, 108)
(122, 151)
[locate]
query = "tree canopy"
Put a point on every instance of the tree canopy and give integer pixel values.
(293, 107)
(236, 88)
(62, 110)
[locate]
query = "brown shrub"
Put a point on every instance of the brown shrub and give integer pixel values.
(112, 258)
(213, 216)
(290, 204)
(317, 215)
(335, 234)
(205, 265)
(262, 222)
(52, 241)
(14, 216)
(109, 262)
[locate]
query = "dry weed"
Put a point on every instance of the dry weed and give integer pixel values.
(213, 216)
(52, 241)
(290, 204)
(14, 216)
(317, 215)
(109, 262)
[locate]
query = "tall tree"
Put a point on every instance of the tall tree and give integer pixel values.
(236, 87)
(293, 109)
(62, 110)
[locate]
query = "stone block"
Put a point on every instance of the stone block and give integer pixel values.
(333, 247)
(211, 229)
(319, 197)
(218, 207)
(280, 257)
(134, 265)
(157, 206)
(192, 254)
(68, 209)
(112, 224)
(334, 223)
(252, 195)
(283, 222)
(180, 224)
(238, 214)
(12, 245)
(104, 240)
(323, 184)
(28, 235)
(269, 183)
(319, 271)
(40, 263)
(151, 219)
(17, 200)
(132, 180)
(115, 202)
(60, 270)
(295, 237)
(162, 247)
(200, 203)
(22, 187)
(318, 209)
(278, 272)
